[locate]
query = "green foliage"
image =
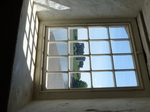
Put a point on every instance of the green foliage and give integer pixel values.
(74, 48)
(77, 76)
(75, 34)
(76, 82)
(75, 65)
(79, 84)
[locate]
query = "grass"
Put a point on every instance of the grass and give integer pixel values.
(75, 65)
(76, 76)
(75, 34)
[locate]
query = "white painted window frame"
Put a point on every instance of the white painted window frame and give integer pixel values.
(142, 90)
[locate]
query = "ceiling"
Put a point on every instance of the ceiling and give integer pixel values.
(81, 9)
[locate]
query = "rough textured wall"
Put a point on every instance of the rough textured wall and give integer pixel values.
(146, 14)
(80, 9)
(94, 105)
(21, 90)
(22, 77)
(9, 29)
(144, 28)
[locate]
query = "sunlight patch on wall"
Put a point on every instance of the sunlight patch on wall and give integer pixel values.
(48, 5)
(25, 44)
(29, 11)
(29, 59)
(57, 6)
(30, 41)
(32, 71)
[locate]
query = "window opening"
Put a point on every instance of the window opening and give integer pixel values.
(89, 57)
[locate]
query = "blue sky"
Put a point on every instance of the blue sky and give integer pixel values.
(105, 62)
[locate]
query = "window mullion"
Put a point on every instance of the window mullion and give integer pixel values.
(73, 53)
(114, 77)
(45, 58)
(68, 33)
(90, 61)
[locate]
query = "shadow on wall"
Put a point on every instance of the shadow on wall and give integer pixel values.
(95, 110)
(21, 90)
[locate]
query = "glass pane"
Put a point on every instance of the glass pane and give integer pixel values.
(101, 63)
(56, 80)
(123, 62)
(79, 48)
(98, 33)
(78, 34)
(121, 47)
(118, 32)
(102, 79)
(57, 49)
(58, 34)
(79, 63)
(126, 78)
(57, 64)
(101, 47)
(80, 80)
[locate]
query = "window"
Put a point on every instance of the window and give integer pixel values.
(90, 57)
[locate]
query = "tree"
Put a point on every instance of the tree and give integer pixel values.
(77, 76)
(77, 83)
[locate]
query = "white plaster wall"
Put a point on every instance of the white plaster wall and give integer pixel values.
(23, 69)
(145, 30)
(79, 9)
(146, 14)
(93, 105)
(21, 91)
